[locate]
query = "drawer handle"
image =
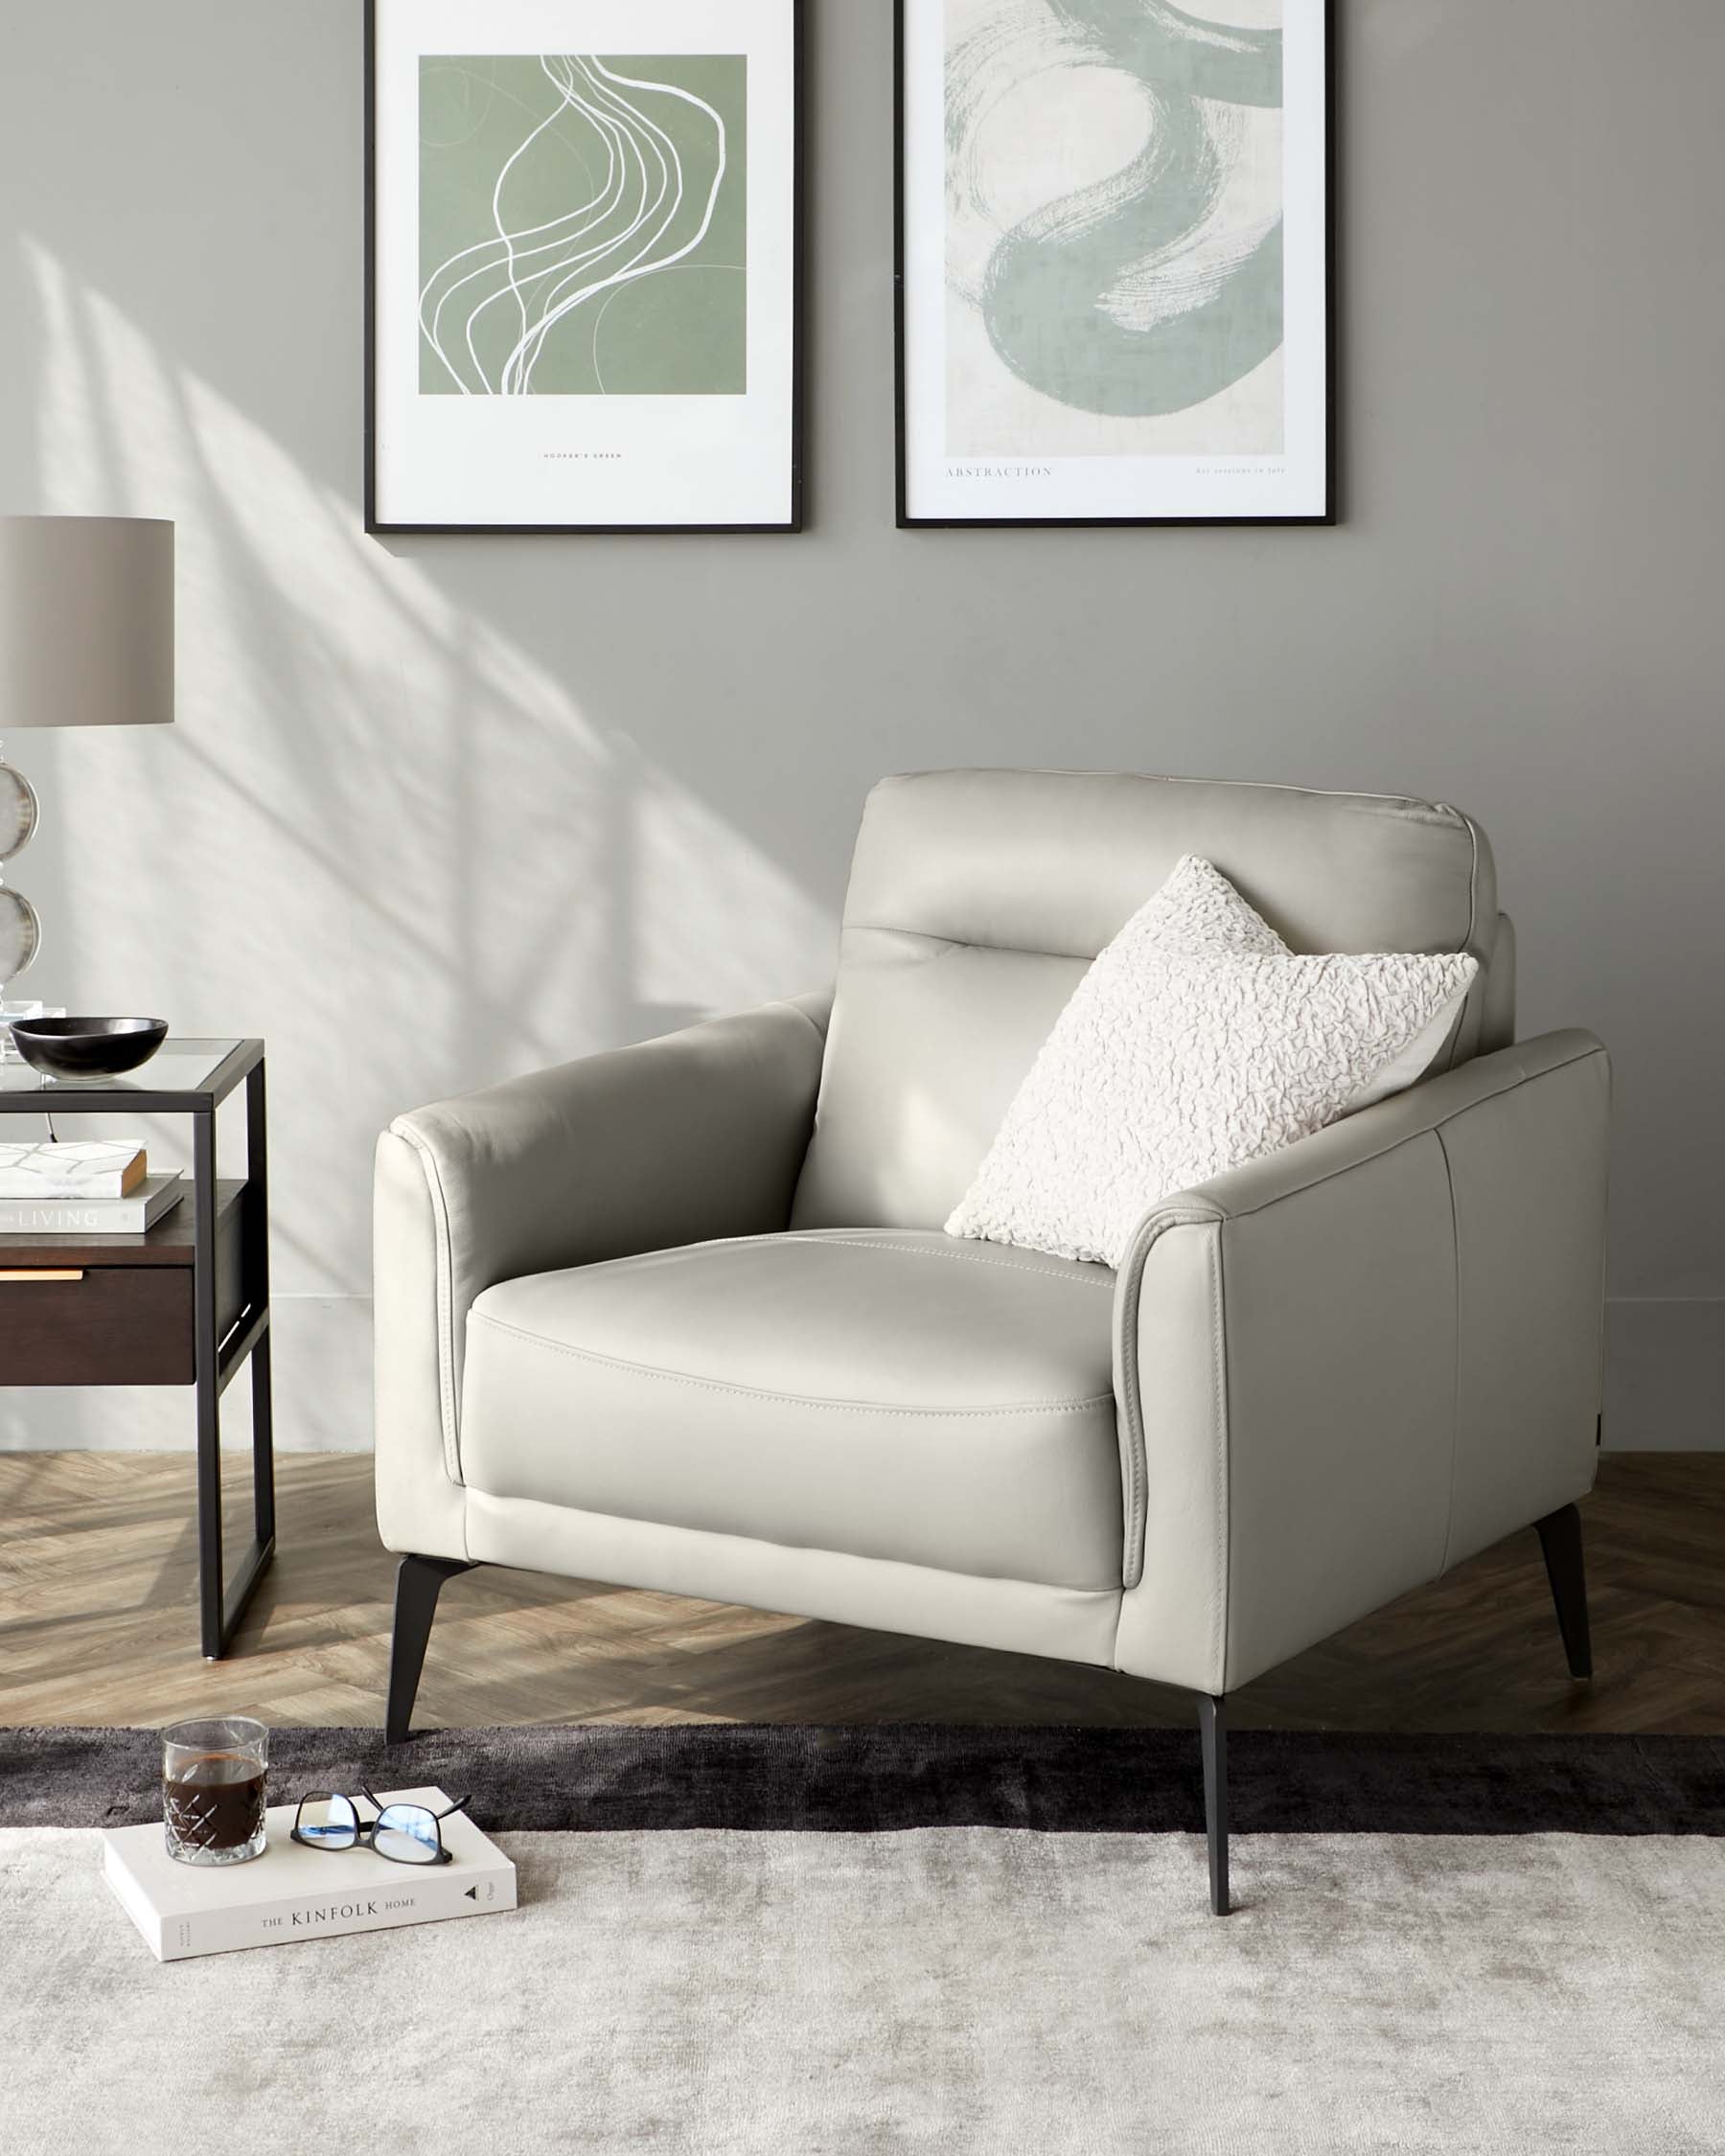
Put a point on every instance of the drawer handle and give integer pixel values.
(21, 1276)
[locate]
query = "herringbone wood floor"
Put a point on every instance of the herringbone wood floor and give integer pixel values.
(98, 1623)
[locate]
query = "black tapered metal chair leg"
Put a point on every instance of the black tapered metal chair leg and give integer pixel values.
(419, 1581)
(1560, 1538)
(1212, 1731)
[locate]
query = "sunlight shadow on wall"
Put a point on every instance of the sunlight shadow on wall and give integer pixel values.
(380, 835)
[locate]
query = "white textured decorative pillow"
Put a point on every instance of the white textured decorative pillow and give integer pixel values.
(1197, 1040)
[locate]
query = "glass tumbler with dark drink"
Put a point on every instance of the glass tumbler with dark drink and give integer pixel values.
(213, 1778)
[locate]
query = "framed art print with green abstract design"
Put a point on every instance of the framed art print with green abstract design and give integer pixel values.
(584, 229)
(1114, 298)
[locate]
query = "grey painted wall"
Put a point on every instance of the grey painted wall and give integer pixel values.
(444, 809)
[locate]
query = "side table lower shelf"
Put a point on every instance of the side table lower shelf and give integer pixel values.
(135, 1309)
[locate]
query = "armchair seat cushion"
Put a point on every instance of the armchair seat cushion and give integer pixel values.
(887, 1393)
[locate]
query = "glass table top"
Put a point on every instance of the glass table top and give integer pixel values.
(178, 1066)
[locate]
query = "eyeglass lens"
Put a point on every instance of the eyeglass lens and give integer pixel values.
(328, 1821)
(407, 1833)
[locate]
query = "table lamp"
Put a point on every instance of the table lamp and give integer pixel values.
(87, 639)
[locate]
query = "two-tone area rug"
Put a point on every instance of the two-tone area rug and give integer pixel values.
(912, 1939)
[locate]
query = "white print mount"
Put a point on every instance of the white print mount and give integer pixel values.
(1113, 291)
(583, 255)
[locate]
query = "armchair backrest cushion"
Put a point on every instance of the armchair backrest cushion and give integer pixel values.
(977, 899)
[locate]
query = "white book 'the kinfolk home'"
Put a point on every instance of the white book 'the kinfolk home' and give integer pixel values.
(292, 1892)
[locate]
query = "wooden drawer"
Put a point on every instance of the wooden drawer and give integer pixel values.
(114, 1324)
(121, 1311)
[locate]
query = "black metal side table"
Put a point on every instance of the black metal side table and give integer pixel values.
(184, 1303)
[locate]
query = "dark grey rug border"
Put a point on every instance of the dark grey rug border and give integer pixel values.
(879, 1779)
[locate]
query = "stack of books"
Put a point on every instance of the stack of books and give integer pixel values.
(101, 1186)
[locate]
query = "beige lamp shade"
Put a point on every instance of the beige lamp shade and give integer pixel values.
(86, 622)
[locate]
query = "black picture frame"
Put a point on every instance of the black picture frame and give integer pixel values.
(378, 528)
(1331, 512)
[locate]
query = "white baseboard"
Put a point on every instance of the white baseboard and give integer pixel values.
(1664, 1388)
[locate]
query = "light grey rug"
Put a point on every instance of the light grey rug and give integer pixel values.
(947, 1988)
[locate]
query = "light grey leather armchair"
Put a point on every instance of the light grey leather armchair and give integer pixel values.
(683, 1316)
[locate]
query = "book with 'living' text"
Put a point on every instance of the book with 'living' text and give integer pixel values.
(153, 1197)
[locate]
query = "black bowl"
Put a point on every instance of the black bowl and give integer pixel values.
(88, 1047)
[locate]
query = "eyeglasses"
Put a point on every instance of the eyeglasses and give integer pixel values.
(403, 1833)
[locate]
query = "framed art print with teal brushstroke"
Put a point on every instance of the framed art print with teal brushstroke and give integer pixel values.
(1114, 261)
(584, 225)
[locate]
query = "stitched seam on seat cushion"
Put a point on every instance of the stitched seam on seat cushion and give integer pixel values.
(1102, 1277)
(824, 1238)
(791, 1399)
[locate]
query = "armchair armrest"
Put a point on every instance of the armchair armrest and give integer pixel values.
(696, 1136)
(1346, 1366)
